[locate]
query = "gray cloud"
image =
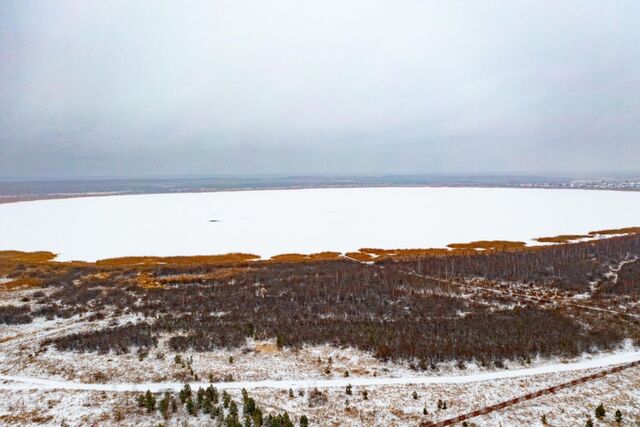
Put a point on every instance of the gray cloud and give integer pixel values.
(208, 87)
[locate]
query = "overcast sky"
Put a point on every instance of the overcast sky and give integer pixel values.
(301, 87)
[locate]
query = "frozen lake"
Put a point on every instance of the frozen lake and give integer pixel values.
(280, 221)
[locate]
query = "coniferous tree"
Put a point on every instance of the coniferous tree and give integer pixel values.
(618, 416)
(165, 406)
(233, 407)
(304, 421)
(249, 406)
(149, 401)
(257, 417)
(185, 393)
(141, 401)
(191, 407)
(200, 396)
(600, 411)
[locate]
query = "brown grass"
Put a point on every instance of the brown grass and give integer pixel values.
(374, 251)
(323, 256)
(295, 257)
(627, 230)
(19, 256)
(289, 258)
(23, 282)
(32, 417)
(359, 256)
(489, 245)
(563, 238)
(268, 348)
(178, 260)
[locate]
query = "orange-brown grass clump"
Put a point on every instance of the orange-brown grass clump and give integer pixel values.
(627, 230)
(19, 256)
(179, 260)
(563, 238)
(359, 256)
(289, 258)
(489, 245)
(375, 251)
(22, 282)
(294, 257)
(147, 282)
(323, 256)
(420, 252)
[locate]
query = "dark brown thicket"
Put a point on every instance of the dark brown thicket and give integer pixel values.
(380, 307)
(15, 315)
(568, 267)
(118, 339)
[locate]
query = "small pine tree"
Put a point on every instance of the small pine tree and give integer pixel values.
(618, 416)
(149, 401)
(290, 394)
(141, 401)
(543, 419)
(226, 399)
(439, 404)
(415, 395)
(200, 396)
(346, 374)
(191, 407)
(304, 421)
(212, 394)
(164, 406)
(600, 411)
(185, 393)
(233, 407)
(589, 422)
(424, 411)
(250, 407)
(365, 395)
(230, 360)
(257, 417)
(286, 421)
(348, 390)
(232, 421)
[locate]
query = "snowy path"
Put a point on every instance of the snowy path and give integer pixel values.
(30, 383)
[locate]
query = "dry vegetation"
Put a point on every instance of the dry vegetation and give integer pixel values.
(423, 306)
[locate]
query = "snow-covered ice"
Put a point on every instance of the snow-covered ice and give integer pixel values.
(280, 221)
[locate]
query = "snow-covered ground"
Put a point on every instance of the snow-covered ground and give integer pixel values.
(22, 382)
(387, 405)
(274, 222)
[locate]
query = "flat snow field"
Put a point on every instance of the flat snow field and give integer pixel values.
(305, 221)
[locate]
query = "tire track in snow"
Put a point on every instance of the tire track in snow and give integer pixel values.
(33, 383)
